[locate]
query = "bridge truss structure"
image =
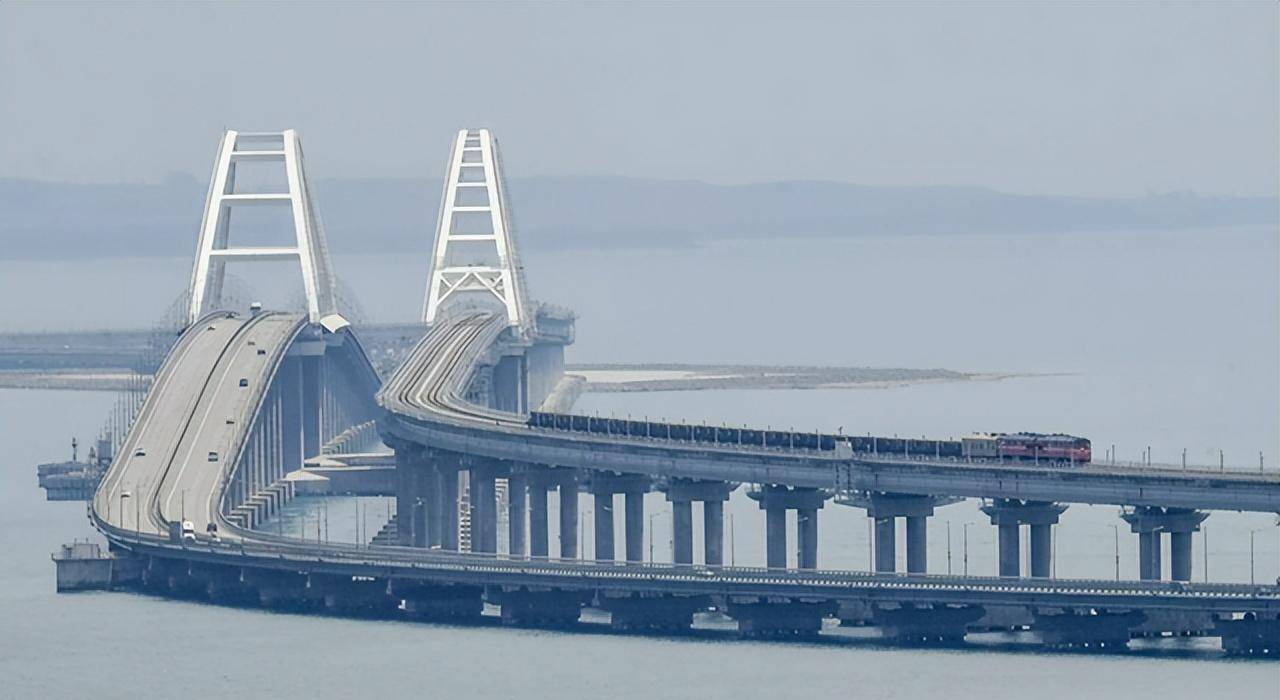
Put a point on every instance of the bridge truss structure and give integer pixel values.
(216, 247)
(475, 252)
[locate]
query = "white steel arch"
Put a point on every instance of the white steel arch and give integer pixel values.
(215, 247)
(473, 185)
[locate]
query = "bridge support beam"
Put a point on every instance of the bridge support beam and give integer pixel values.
(682, 493)
(884, 509)
(1009, 515)
(1149, 523)
(776, 501)
(604, 486)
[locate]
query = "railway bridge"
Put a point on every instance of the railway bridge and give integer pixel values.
(478, 423)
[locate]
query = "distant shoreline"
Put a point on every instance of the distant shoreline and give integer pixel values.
(614, 379)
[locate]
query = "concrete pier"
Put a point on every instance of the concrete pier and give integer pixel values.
(568, 517)
(682, 493)
(886, 542)
(604, 526)
(807, 534)
(917, 545)
(484, 513)
(682, 532)
(884, 509)
(776, 501)
(634, 504)
(1010, 547)
(1149, 523)
(449, 508)
(1009, 515)
(517, 487)
(713, 532)
(604, 486)
(775, 539)
(539, 536)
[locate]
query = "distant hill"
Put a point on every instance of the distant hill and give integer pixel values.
(56, 220)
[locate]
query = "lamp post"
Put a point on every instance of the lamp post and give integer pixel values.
(965, 537)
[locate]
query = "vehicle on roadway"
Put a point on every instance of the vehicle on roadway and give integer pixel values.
(244, 381)
(212, 531)
(1047, 449)
(139, 452)
(188, 531)
(213, 456)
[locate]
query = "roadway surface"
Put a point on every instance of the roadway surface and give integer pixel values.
(179, 454)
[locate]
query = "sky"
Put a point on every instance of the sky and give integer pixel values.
(1116, 99)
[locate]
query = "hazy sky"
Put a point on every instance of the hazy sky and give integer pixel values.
(1035, 97)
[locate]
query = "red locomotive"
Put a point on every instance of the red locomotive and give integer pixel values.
(1055, 447)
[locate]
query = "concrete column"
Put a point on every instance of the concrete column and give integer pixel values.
(312, 396)
(775, 537)
(604, 526)
(682, 532)
(406, 494)
(291, 414)
(1008, 515)
(1148, 556)
(1148, 522)
(917, 544)
(1010, 554)
(538, 532)
(886, 545)
(1180, 555)
(484, 512)
(516, 485)
(429, 486)
(1041, 550)
(713, 532)
(569, 519)
(419, 523)
(449, 509)
(807, 536)
(635, 526)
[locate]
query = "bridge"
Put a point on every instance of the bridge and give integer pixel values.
(243, 398)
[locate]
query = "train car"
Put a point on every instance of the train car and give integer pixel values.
(1055, 447)
(980, 446)
(950, 448)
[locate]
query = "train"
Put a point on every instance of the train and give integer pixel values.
(1049, 448)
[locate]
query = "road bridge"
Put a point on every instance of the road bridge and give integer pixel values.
(242, 399)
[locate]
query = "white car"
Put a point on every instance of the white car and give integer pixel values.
(188, 531)
(139, 452)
